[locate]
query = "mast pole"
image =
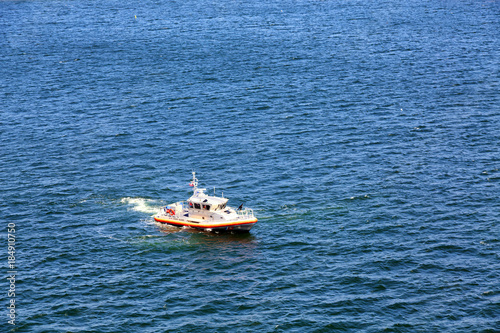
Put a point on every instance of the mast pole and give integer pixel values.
(195, 181)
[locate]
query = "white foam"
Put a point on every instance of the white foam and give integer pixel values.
(142, 205)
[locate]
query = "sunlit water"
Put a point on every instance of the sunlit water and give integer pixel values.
(365, 136)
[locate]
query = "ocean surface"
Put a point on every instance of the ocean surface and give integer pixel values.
(364, 134)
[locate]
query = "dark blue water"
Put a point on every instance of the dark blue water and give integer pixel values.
(365, 135)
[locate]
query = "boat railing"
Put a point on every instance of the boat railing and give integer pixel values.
(245, 213)
(184, 205)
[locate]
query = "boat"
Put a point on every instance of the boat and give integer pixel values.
(207, 213)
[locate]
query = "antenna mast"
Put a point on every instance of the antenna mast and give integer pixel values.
(194, 182)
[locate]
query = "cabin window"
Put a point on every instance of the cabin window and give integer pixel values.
(190, 204)
(206, 207)
(197, 206)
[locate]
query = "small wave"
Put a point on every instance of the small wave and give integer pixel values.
(359, 197)
(102, 234)
(142, 205)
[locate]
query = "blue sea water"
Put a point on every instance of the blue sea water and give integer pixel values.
(364, 134)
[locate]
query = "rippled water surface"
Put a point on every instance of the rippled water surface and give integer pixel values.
(364, 134)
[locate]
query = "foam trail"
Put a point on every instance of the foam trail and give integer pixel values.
(143, 205)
